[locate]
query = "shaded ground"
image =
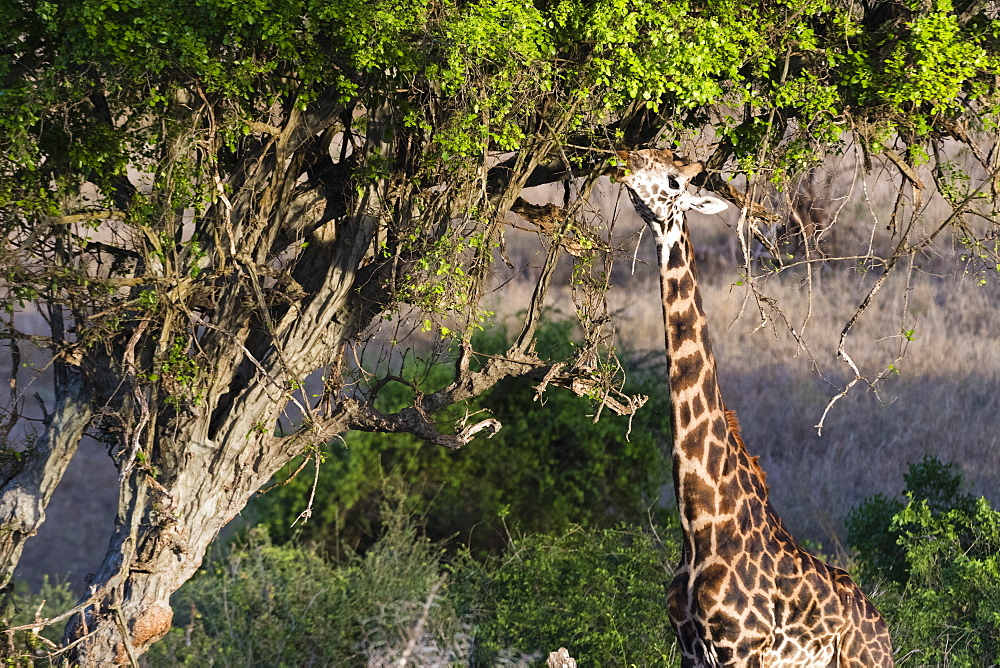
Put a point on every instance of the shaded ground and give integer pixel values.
(78, 522)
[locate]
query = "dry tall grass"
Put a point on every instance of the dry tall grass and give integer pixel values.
(944, 400)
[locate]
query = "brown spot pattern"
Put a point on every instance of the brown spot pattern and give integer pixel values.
(757, 598)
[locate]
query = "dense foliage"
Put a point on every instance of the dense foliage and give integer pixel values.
(600, 593)
(549, 467)
(872, 527)
(940, 553)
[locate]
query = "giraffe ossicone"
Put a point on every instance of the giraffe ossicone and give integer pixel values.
(745, 593)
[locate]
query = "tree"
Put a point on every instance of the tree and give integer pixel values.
(212, 205)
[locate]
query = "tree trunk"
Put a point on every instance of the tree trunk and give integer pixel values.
(163, 531)
(207, 460)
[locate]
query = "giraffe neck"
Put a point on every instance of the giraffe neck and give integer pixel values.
(718, 488)
(694, 386)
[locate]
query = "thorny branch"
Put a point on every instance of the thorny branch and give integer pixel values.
(765, 259)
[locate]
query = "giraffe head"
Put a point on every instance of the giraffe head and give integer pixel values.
(657, 181)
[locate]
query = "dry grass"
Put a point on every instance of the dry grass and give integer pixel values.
(944, 400)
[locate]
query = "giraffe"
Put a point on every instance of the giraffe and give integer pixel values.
(745, 593)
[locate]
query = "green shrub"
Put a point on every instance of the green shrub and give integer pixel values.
(941, 555)
(948, 614)
(601, 594)
(870, 525)
(547, 468)
(261, 605)
(266, 605)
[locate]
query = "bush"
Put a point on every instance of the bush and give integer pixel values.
(941, 555)
(265, 605)
(948, 613)
(601, 594)
(870, 525)
(548, 468)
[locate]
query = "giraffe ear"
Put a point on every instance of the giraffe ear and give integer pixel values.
(706, 205)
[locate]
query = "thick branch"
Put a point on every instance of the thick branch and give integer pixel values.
(419, 420)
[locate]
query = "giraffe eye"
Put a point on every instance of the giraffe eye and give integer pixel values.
(672, 182)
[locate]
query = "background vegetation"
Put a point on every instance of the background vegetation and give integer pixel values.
(232, 231)
(930, 562)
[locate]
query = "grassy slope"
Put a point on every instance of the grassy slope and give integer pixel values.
(944, 400)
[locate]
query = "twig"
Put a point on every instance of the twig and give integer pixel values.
(906, 170)
(305, 460)
(307, 512)
(126, 639)
(418, 630)
(265, 315)
(841, 349)
(39, 623)
(140, 400)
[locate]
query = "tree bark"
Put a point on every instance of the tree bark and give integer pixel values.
(211, 458)
(299, 253)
